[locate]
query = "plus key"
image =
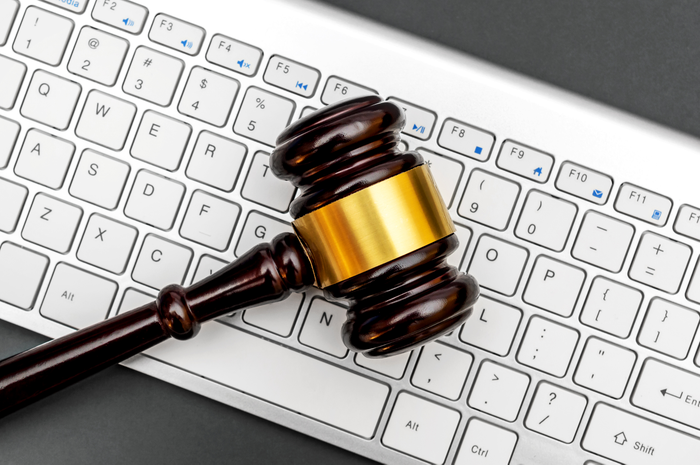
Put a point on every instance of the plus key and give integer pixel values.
(660, 262)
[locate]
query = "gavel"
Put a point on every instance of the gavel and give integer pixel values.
(370, 228)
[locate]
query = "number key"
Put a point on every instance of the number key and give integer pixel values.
(208, 96)
(153, 76)
(489, 200)
(263, 116)
(43, 36)
(98, 56)
(546, 220)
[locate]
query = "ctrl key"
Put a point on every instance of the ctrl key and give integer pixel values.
(21, 274)
(485, 444)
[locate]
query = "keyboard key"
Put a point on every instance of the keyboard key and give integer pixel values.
(485, 444)
(11, 79)
(107, 244)
(261, 186)
(44, 159)
(13, 197)
(9, 131)
(446, 172)
(8, 12)
(43, 36)
(216, 161)
(154, 200)
(208, 96)
(489, 200)
(52, 223)
(207, 266)
(605, 368)
(260, 228)
(21, 274)
(338, 89)
(546, 220)
(210, 221)
(525, 161)
(419, 121)
(161, 262)
(161, 140)
(498, 391)
(643, 204)
(124, 15)
(554, 286)
(277, 318)
(669, 328)
(603, 241)
(548, 346)
(393, 367)
(464, 235)
(75, 6)
(153, 76)
(98, 56)
(234, 55)
(694, 288)
(308, 110)
(322, 328)
(556, 412)
(498, 264)
(99, 179)
(292, 76)
(263, 116)
(106, 120)
(466, 140)
(177, 34)
(584, 183)
(133, 299)
(687, 222)
(51, 100)
(492, 326)
(442, 370)
(660, 262)
(611, 307)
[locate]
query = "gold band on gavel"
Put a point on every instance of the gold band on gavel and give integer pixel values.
(374, 226)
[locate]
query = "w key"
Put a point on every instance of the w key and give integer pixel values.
(106, 120)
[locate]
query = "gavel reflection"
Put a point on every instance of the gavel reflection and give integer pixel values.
(371, 229)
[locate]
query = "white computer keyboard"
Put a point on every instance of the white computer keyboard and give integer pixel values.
(134, 145)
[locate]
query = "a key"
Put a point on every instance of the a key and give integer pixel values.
(207, 266)
(486, 444)
(556, 412)
(99, 179)
(525, 161)
(277, 318)
(611, 307)
(548, 346)
(51, 100)
(8, 12)
(261, 186)
(464, 235)
(338, 89)
(132, 299)
(52, 223)
(669, 328)
(489, 200)
(153, 76)
(442, 370)
(584, 183)
(161, 140)
(393, 367)
(498, 264)
(419, 121)
(546, 220)
(13, 197)
(446, 172)
(603, 241)
(259, 228)
(466, 140)
(21, 274)
(322, 328)
(106, 120)
(498, 391)
(642, 204)
(687, 221)
(44, 159)
(107, 244)
(291, 76)
(263, 116)
(98, 56)
(161, 262)
(210, 220)
(208, 96)
(9, 131)
(234, 55)
(11, 79)
(554, 286)
(154, 200)
(216, 161)
(74, 6)
(121, 14)
(605, 367)
(660, 262)
(177, 34)
(492, 326)
(43, 36)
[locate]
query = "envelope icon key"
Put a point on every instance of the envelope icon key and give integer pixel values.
(597, 193)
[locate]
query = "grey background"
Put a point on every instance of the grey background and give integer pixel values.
(642, 56)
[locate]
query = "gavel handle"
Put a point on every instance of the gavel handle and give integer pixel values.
(267, 273)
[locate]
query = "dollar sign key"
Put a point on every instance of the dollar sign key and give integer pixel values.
(203, 85)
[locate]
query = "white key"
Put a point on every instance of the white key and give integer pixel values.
(525, 161)
(660, 262)
(21, 274)
(99, 179)
(611, 307)
(464, 235)
(498, 264)
(292, 76)
(442, 370)
(234, 55)
(161, 262)
(9, 131)
(52, 223)
(605, 367)
(260, 228)
(643, 204)
(546, 220)
(556, 412)
(687, 221)
(485, 444)
(122, 14)
(133, 299)
(669, 328)
(492, 326)
(261, 186)
(466, 140)
(98, 56)
(44, 159)
(216, 161)
(548, 346)
(694, 287)
(11, 79)
(207, 266)
(210, 220)
(8, 12)
(308, 110)
(554, 286)
(208, 96)
(13, 197)
(322, 328)
(338, 89)
(154, 200)
(627, 438)
(74, 6)
(263, 116)
(446, 172)
(161, 140)
(153, 76)
(177, 34)
(584, 183)
(43, 36)
(393, 367)
(51, 100)
(77, 298)
(107, 244)
(489, 200)
(499, 391)
(603, 241)
(269, 371)
(106, 120)
(277, 318)
(419, 121)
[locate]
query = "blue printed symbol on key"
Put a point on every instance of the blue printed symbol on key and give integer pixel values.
(128, 22)
(656, 215)
(243, 64)
(420, 129)
(187, 43)
(538, 171)
(597, 193)
(478, 150)
(301, 85)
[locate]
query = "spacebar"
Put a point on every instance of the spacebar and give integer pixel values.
(279, 375)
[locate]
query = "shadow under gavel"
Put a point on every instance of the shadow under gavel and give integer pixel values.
(371, 229)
